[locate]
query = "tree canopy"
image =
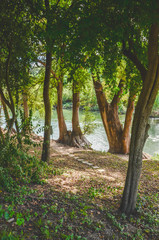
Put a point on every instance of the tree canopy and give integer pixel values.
(113, 44)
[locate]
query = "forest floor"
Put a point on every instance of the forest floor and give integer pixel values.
(79, 198)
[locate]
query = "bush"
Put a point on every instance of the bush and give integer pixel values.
(17, 166)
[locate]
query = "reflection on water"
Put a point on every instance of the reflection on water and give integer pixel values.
(152, 143)
(98, 138)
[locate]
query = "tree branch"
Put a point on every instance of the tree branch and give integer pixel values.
(4, 99)
(133, 57)
(117, 96)
(153, 42)
(99, 91)
(53, 73)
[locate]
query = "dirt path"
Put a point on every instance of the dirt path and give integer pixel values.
(67, 150)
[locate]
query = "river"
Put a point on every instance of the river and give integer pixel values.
(98, 138)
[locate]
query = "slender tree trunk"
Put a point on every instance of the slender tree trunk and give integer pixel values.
(12, 107)
(5, 110)
(64, 135)
(26, 125)
(77, 138)
(118, 137)
(1, 133)
(10, 103)
(127, 125)
(76, 130)
(46, 142)
(1, 136)
(25, 105)
(140, 124)
(47, 126)
(0, 108)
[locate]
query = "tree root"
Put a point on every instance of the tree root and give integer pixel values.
(78, 141)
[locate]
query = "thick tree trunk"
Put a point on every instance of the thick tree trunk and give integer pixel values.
(78, 139)
(140, 124)
(64, 135)
(118, 137)
(46, 142)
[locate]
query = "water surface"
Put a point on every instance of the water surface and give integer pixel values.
(98, 138)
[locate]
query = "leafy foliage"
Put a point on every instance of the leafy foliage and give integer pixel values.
(17, 166)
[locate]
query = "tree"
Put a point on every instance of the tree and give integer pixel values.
(15, 50)
(64, 136)
(46, 142)
(97, 49)
(118, 136)
(140, 122)
(77, 137)
(127, 24)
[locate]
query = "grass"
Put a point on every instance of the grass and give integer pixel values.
(76, 202)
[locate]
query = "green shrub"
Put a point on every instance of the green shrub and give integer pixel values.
(17, 166)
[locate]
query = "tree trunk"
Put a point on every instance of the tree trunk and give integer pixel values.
(118, 137)
(76, 130)
(9, 103)
(0, 107)
(5, 110)
(127, 125)
(140, 124)
(12, 107)
(1, 136)
(78, 139)
(46, 142)
(47, 126)
(64, 135)
(26, 124)
(25, 105)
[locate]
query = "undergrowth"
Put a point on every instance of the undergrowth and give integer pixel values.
(33, 211)
(17, 166)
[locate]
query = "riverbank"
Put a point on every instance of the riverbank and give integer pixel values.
(79, 197)
(95, 108)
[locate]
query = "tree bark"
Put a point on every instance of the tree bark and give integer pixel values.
(45, 157)
(140, 124)
(46, 142)
(118, 137)
(78, 139)
(10, 102)
(25, 105)
(6, 114)
(1, 136)
(64, 135)
(127, 125)
(76, 130)
(11, 105)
